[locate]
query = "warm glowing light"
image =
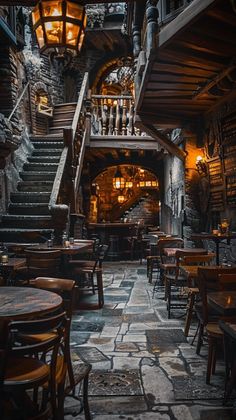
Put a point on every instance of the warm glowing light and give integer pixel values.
(118, 181)
(121, 199)
(229, 300)
(59, 26)
(199, 158)
(128, 184)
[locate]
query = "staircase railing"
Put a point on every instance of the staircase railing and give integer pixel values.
(70, 165)
(18, 101)
(113, 115)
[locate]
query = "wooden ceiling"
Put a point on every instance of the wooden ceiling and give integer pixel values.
(193, 69)
(99, 159)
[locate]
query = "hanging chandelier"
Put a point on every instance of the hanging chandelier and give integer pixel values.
(118, 181)
(59, 26)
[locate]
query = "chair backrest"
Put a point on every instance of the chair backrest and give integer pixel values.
(208, 281)
(43, 263)
(201, 259)
(64, 287)
(55, 323)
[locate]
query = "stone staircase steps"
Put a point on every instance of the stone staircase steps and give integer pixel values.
(44, 159)
(28, 208)
(37, 176)
(58, 130)
(40, 167)
(35, 186)
(48, 145)
(28, 221)
(32, 197)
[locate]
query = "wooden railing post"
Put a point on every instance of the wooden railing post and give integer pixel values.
(152, 15)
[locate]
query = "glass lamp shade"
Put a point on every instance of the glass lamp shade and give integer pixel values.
(121, 199)
(118, 181)
(59, 24)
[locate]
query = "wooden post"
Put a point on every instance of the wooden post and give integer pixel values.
(152, 15)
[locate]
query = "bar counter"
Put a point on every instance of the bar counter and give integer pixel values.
(117, 235)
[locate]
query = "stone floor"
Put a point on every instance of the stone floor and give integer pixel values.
(143, 367)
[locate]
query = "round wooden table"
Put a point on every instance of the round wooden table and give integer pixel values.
(26, 302)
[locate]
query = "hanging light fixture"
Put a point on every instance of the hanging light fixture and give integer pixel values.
(118, 181)
(121, 198)
(59, 26)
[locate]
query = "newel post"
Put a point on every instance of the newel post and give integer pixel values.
(152, 15)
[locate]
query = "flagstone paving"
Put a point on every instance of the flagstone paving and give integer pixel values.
(143, 367)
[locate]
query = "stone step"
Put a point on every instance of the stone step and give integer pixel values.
(44, 159)
(37, 176)
(35, 186)
(46, 138)
(28, 208)
(24, 235)
(30, 197)
(48, 145)
(38, 167)
(27, 221)
(46, 152)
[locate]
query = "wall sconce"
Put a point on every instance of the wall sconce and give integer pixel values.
(201, 165)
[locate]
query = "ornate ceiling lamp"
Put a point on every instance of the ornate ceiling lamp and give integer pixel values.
(59, 26)
(118, 181)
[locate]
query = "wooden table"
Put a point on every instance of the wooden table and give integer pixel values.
(26, 302)
(170, 252)
(224, 302)
(76, 248)
(216, 238)
(8, 268)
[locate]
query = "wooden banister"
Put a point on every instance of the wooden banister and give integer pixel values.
(71, 157)
(18, 101)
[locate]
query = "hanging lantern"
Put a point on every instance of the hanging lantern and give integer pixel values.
(121, 199)
(118, 181)
(59, 26)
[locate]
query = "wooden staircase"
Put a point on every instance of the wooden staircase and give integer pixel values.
(29, 218)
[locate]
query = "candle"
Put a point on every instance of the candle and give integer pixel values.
(67, 244)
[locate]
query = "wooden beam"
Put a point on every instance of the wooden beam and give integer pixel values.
(124, 144)
(184, 19)
(163, 140)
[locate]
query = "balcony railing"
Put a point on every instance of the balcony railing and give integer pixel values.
(169, 9)
(113, 116)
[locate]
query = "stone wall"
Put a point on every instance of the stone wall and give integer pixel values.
(172, 201)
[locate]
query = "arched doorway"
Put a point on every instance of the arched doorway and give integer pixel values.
(135, 197)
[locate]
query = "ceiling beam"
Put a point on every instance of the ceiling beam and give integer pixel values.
(163, 140)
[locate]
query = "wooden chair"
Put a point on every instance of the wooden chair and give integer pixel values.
(85, 272)
(229, 340)
(40, 263)
(191, 263)
(158, 263)
(25, 370)
(209, 280)
(174, 278)
(66, 289)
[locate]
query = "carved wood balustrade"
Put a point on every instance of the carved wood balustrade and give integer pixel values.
(113, 116)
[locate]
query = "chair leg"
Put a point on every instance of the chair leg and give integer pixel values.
(100, 289)
(189, 314)
(87, 414)
(211, 349)
(168, 286)
(200, 335)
